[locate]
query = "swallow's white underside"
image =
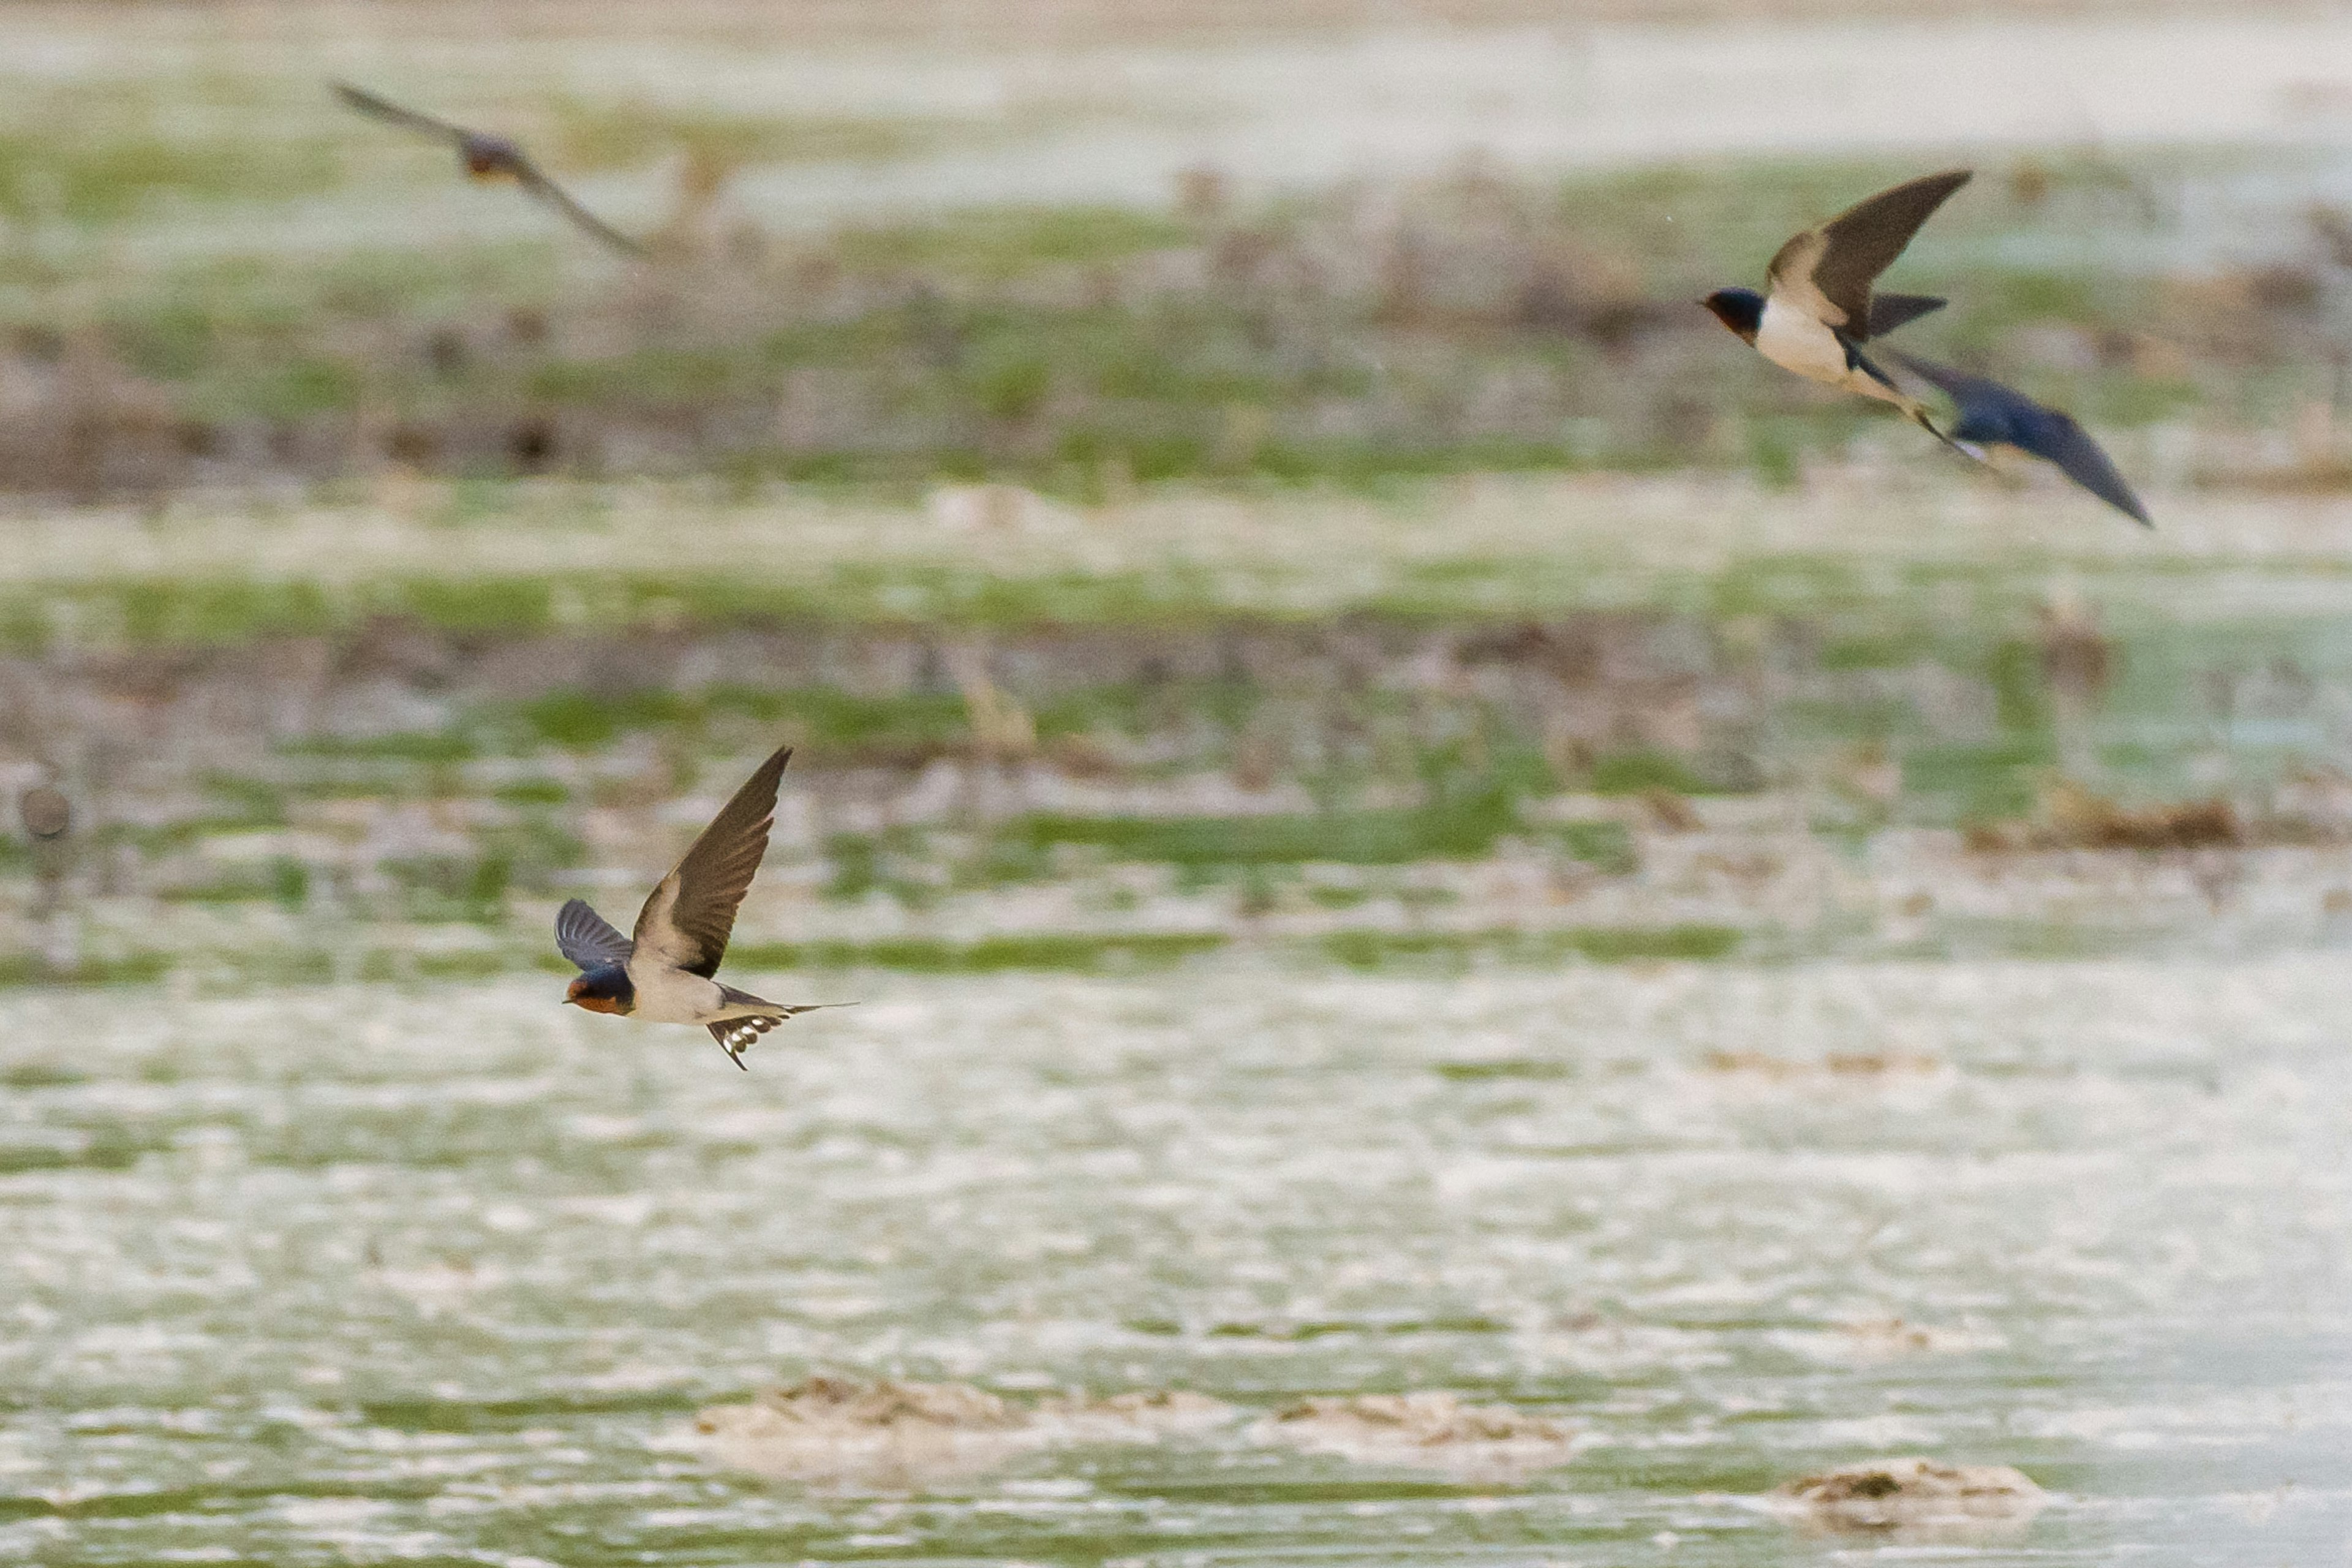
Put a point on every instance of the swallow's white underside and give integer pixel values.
(1794, 339)
(667, 995)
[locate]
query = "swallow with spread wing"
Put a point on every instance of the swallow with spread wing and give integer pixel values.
(1818, 309)
(1991, 415)
(664, 972)
(487, 157)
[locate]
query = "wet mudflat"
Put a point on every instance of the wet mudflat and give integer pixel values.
(445, 1274)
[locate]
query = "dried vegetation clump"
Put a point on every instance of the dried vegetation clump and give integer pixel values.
(1864, 1065)
(2075, 818)
(1428, 1428)
(1472, 321)
(1913, 1493)
(886, 1431)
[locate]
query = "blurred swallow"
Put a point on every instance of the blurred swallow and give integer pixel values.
(487, 157)
(663, 974)
(45, 812)
(1818, 309)
(1991, 415)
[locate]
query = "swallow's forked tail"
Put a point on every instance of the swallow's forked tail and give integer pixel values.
(1913, 409)
(735, 1036)
(1919, 417)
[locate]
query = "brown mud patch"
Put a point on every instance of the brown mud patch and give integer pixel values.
(900, 1435)
(1913, 1494)
(1431, 1428)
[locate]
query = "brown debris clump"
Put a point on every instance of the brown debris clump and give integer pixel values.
(883, 1432)
(2071, 817)
(886, 1403)
(1910, 1493)
(1838, 1064)
(901, 1434)
(1429, 1427)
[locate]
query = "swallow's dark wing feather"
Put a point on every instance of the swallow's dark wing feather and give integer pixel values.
(1888, 312)
(1839, 260)
(556, 196)
(385, 108)
(587, 938)
(1991, 412)
(2064, 442)
(687, 921)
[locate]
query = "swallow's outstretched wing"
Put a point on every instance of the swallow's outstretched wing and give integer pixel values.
(688, 920)
(1827, 271)
(383, 108)
(1992, 413)
(587, 938)
(1888, 312)
(486, 155)
(528, 176)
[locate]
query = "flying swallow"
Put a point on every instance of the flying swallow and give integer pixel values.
(486, 157)
(1991, 415)
(1818, 309)
(663, 973)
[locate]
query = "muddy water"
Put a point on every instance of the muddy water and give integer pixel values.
(441, 1275)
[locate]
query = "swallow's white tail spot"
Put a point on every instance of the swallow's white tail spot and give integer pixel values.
(735, 1036)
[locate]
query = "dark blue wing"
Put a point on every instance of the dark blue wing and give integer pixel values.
(588, 939)
(2057, 437)
(1993, 414)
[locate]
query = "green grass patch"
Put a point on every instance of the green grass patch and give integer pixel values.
(1460, 829)
(1635, 773)
(1076, 953)
(1603, 944)
(132, 969)
(432, 748)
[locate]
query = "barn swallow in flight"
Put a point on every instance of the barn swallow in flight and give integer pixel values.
(487, 157)
(1992, 414)
(1818, 309)
(664, 972)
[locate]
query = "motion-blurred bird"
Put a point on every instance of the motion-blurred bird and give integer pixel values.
(663, 974)
(489, 157)
(1820, 310)
(1991, 415)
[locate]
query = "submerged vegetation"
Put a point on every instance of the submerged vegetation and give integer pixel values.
(345, 774)
(1199, 639)
(1475, 322)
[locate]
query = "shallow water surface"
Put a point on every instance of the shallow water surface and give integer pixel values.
(442, 1275)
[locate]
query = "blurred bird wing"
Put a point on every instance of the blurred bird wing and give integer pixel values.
(1827, 271)
(556, 196)
(385, 109)
(1991, 412)
(1888, 312)
(587, 938)
(687, 921)
(2066, 442)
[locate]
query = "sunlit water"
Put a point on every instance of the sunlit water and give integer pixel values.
(441, 1275)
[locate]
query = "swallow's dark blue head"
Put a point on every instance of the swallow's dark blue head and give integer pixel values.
(1742, 310)
(603, 989)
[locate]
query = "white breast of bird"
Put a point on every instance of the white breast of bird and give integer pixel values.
(673, 996)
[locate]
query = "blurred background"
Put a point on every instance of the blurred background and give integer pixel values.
(1407, 814)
